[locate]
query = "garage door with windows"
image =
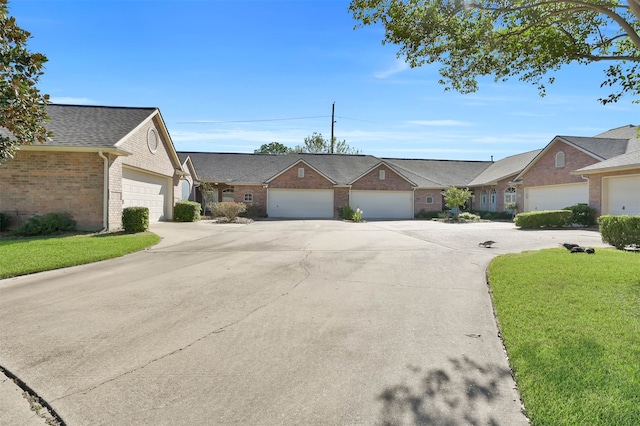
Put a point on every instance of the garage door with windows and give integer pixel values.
(383, 204)
(141, 189)
(300, 203)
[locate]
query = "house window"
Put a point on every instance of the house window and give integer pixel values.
(381, 173)
(483, 197)
(429, 200)
(152, 140)
(560, 160)
(492, 194)
(300, 172)
(509, 197)
(248, 198)
(227, 195)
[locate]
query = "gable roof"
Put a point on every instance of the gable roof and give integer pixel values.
(630, 160)
(504, 168)
(91, 126)
(439, 173)
(296, 164)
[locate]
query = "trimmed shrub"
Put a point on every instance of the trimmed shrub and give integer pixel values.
(346, 212)
(135, 219)
(469, 216)
(187, 211)
(583, 214)
(254, 211)
(544, 219)
(230, 210)
(487, 215)
(5, 221)
(620, 231)
(427, 214)
(47, 224)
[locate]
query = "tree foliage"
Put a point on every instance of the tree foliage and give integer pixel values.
(273, 148)
(22, 107)
(317, 144)
(455, 198)
(505, 38)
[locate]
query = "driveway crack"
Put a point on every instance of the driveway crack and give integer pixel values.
(216, 331)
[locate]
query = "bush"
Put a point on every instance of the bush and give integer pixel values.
(187, 211)
(47, 224)
(487, 215)
(357, 215)
(542, 219)
(135, 219)
(5, 221)
(469, 216)
(620, 231)
(583, 214)
(346, 212)
(427, 214)
(230, 210)
(254, 211)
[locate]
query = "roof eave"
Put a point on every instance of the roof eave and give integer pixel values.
(61, 148)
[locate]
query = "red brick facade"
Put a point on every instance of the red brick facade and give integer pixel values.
(311, 179)
(391, 182)
(544, 170)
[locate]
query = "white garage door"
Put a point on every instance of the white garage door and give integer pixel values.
(300, 203)
(555, 197)
(622, 195)
(145, 190)
(383, 204)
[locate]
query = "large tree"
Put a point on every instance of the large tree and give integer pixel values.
(507, 38)
(317, 144)
(22, 106)
(272, 148)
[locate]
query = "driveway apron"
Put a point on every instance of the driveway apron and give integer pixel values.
(275, 322)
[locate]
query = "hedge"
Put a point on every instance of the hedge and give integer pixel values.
(620, 231)
(543, 219)
(135, 219)
(187, 211)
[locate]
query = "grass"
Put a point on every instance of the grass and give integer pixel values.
(21, 256)
(571, 327)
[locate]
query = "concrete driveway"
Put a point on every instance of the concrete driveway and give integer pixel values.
(275, 322)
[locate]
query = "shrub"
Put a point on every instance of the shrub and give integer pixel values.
(620, 231)
(546, 218)
(135, 219)
(427, 214)
(487, 215)
(254, 211)
(230, 210)
(357, 215)
(583, 214)
(346, 212)
(47, 224)
(5, 221)
(187, 211)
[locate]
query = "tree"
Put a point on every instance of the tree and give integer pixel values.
(22, 107)
(317, 144)
(455, 198)
(273, 148)
(505, 39)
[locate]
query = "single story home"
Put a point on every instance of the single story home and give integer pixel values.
(100, 160)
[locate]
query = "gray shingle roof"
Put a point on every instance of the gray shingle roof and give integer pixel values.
(603, 148)
(504, 168)
(439, 173)
(628, 160)
(92, 126)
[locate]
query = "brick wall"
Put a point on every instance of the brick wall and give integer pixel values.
(391, 182)
(39, 182)
(545, 172)
(311, 180)
(340, 198)
(420, 200)
(257, 192)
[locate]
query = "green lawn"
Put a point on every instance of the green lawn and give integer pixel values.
(20, 256)
(571, 326)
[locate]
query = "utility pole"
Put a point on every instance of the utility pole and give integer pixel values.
(333, 111)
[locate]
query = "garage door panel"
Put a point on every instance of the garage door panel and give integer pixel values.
(383, 204)
(555, 197)
(623, 195)
(300, 203)
(141, 189)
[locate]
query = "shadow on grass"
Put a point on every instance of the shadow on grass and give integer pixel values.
(464, 393)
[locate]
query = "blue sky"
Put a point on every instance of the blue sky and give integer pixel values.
(229, 76)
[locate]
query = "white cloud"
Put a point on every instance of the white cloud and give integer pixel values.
(439, 123)
(398, 67)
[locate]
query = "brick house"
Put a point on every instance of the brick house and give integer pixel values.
(601, 171)
(100, 160)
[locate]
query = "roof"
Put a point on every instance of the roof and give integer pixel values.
(439, 173)
(501, 169)
(630, 160)
(601, 148)
(92, 126)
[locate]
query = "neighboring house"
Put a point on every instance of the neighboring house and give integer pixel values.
(601, 171)
(100, 160)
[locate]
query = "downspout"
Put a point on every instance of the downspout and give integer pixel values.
(105, 193)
